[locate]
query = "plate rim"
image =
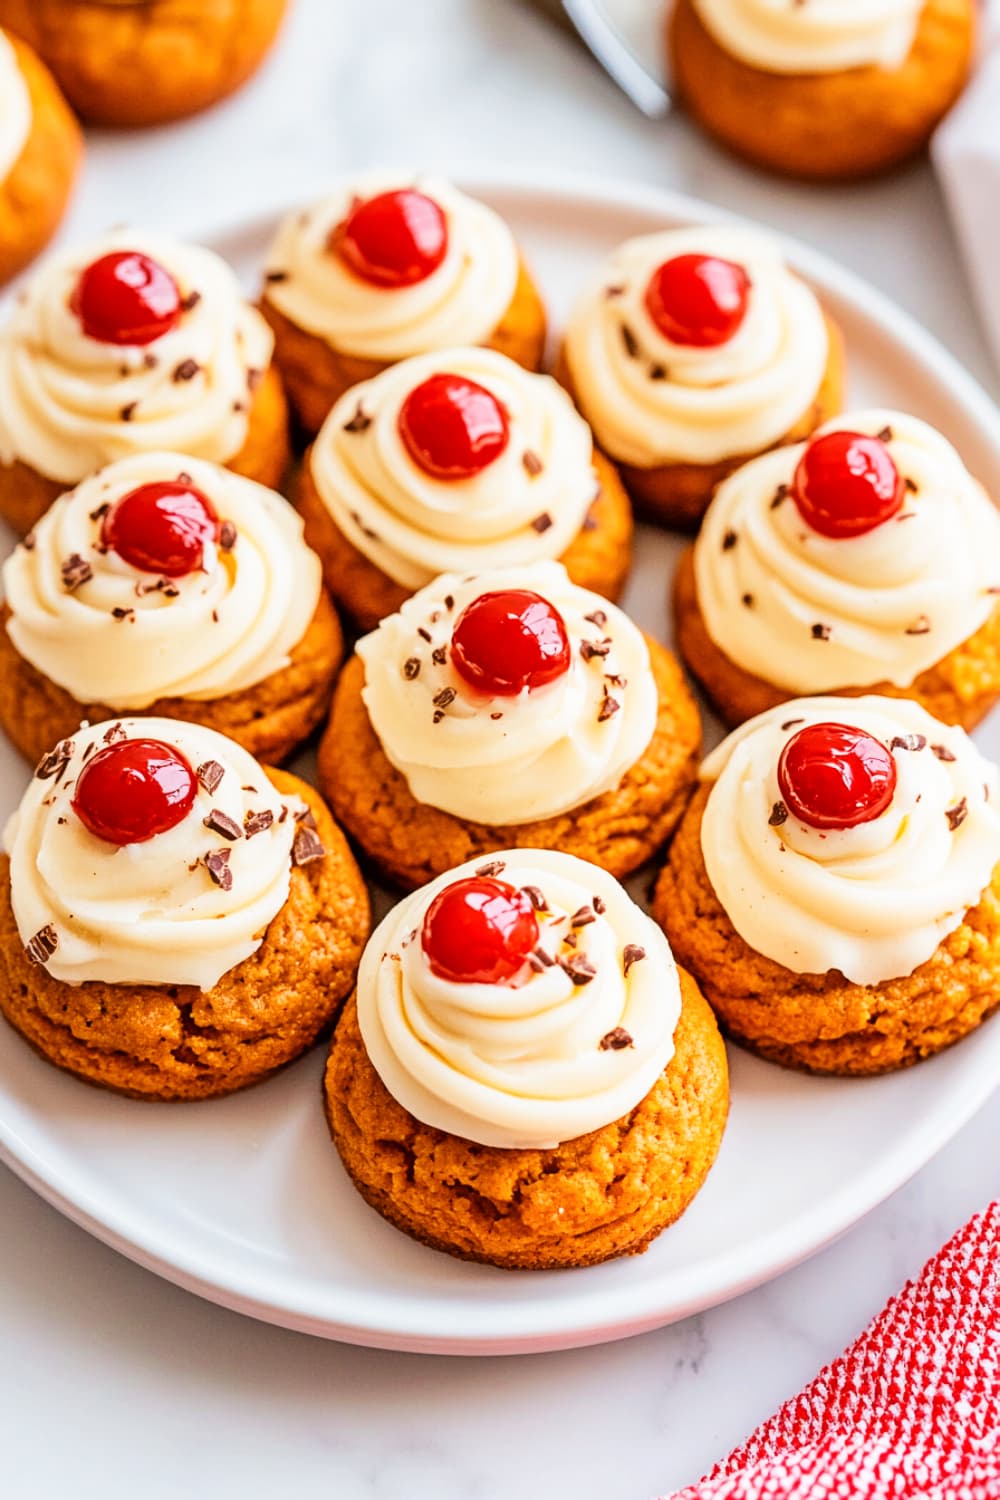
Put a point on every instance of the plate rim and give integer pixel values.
(578, 1319)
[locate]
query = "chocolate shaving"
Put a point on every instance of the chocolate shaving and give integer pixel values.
(600, 906)
(616, 679)
(779, 815)
(590, 649)
(912, 486)
(781, 493)
(598, 618)
(658, 372)
(149, 361)
(307, 846)
(532, 463)
(540, 960)
(76, 570)
(609, 707)
(630, 341)
(128, 412)
(55, 763)
(101, 511)
(307, 816)
(444, 698)
(821, 632)
(449, 602)
(273, 277)
(210, 773)
(535, 896)
(541, 523)
(120, 613)
(614, 291)
(113, 735)
(257, 822)
(221, 823)
(227, 536)
(908, 742)
(790, 724)
(360, 422)
(184, 477)
(583, 917)
(411, 668)
(186, 370)
(957, 815)
(217, 865)
(616, 1041)
(190, 302)
(496, 715)
(942, 752)
(424, 635)
(438, 716)
(729, 540)
(884, 435)
(439, 655)
(492, 867)
(631, 955)
(579, 968)
(920, 626)
(42, 945)
(747, 600)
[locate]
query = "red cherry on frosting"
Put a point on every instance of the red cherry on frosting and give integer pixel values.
(161, 527)
(126, 298)
(479, 931)
(133, 790)
(395, 239)
(452, 427)
(698, 299)
(833, 776)
(846, 484)
(509, 640)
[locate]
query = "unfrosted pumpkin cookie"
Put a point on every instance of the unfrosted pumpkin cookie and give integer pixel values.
(821, 88)
(385, 267)
(454, 463)
(40, 149)
(143, 62)
(172, 587)
(135, 343)
(525, 1077)
(690, 351)
(176, 922)
(867, 560)
(509, 708)
(834, 885)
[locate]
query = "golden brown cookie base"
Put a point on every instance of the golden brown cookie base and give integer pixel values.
(411, 843)
(316, 376)
(605, 1194)
(825, 125)
(598, 558)
(146, 64)
(25, 494)
(678, 494)
(269, 719)
(959, 689)
(820, 1022)
(36, 190)
(178, 1042)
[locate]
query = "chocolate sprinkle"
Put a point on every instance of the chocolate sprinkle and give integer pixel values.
(942, 752)
(821, 632)
(609, 707)
(598, 618)
(227, 536)
(908, 742)
(217, 865)
(119, 613)
(532, 463)
(55, 763)
(221, 823)
(729, 540)
(101, 511)
(790, 724)
(42, 945)
(579, 969)
(535, 896)
(257, 822)
(957, 815)
(307, 846)
(920, 626)
(411, 668)
(630, 341)
(449, 602)
(444, 698)
(542, 523)
(492, 867)
(439, 655)
(616, 1041)
(275, 276)
(583, 917)
(186, 370)
(190, 302)
(748, 601)
(76, 570)
(657, 372)
(590, 649)
(424, 635)
(631, 955)
(128, 412)
(779, 815)
(884, 435)
(600, 906)
(210, 773)
(911, 485)
(360, 422)
(781, 493)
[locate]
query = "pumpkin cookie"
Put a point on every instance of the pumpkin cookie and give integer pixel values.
(144, 62)
(455, 463)
(167, 586)
(178, 922)
(133, 344)
(385, 268)
(693, 350)
(821, 90)
(468, 1127)
(867, 560)
(512, 708)
(834, 885)
(40, 149)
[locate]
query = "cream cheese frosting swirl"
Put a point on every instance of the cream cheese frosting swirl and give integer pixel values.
(527, 505)
(872, 901)
(502, 760)
(831, 612)
(532, 1065)
(817, 36)
(462, 301)
(15, 108)
(125, 637)
(651, 401)
(148, 913)
(70, 403)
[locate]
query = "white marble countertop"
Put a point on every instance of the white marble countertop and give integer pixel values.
(113, 1383)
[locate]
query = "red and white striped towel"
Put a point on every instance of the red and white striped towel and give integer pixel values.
(910, 1412)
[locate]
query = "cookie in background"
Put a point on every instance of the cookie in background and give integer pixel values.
(40, 150)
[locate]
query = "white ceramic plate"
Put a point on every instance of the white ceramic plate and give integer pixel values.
(243, 1200)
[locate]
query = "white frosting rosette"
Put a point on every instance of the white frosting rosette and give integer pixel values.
(651, 401)
(15, 108)
(462, 301)
(513, 759)
(822, 36)
(537, 1063)
(811, 613)
(148, 913)
(528, 504)
(873, 901)
(70, 403)
(112, 633)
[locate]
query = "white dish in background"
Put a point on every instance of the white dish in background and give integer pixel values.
(243, 1200)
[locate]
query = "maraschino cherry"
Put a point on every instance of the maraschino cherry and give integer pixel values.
(162, 527)
(846, 484)
(134, 789)
(509, 640)
(395, 239)
(479, 931)
(126, 298)
(833, 776)
(698, 299)
(452, 427)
